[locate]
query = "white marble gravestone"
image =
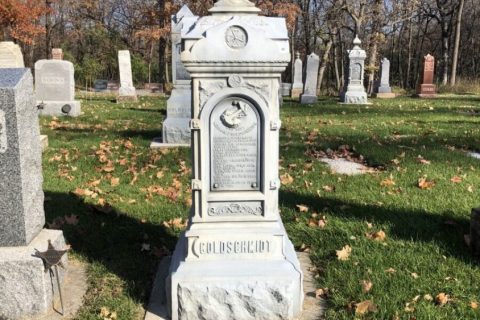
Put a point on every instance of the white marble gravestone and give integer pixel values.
(55, 88)
(235, 260)
(383, 89)
(176, 127)
(355, 93)
(10, 55)
(297, 86)
(25, 289)
(309, 95)
(127, 91)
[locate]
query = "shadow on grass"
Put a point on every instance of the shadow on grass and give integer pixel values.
(112, 239)
(443, 229)
(161, 111)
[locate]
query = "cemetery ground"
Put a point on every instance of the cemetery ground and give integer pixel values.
(388, 244)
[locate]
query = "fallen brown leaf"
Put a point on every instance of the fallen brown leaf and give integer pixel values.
(302, 208)
(442, 299)
(366, 285)
(425, 184)
(365, 307)
(344, 253)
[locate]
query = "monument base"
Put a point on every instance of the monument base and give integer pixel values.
(236, 289)
(382, 95)
(60, 108)
(355, 97)
(44, 142)
(26, 289)
(296, 92)
(158, 143)
(308, 99)
(427, 91)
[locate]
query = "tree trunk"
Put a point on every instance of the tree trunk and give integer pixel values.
(458, 34)
(324, 62)
(48, 30)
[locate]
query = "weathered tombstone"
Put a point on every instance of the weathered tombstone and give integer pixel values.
(57, 54)
(100, 85)
(26, 289)
(297, 87)
(10, 55)
(383, 89)
(286, 89)
(235, 260)
(427, 89)
(127, 91)
(176, 127)
(355, 93)
(309, 95)
(55, 88)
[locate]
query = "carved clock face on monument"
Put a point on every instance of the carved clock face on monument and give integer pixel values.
(236, 37)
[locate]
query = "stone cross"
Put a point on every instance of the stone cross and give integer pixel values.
(235, 260)
(427, 89)
(10, 55)
(25, 289)
(127, 91)
(297, 87)
(383, 89)
(57, 54)
(309, 95)
(55, 88)
(355, 93)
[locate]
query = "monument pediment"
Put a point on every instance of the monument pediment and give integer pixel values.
(245, 39)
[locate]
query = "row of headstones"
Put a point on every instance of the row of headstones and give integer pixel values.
(354, 92)
(55, 82)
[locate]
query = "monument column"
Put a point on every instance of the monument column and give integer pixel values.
(356, 93)
(297, 87)
(427, 89)
(127, 91)
(235, 260)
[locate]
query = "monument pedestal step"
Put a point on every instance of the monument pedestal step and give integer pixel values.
(382, 95)
(26, 289)
(60, 108)
(158, 143)
(308, 99)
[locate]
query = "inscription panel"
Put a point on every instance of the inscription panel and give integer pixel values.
(3, 133)
(235, 146)
(357, 72)
(233, 209)
(217, 247)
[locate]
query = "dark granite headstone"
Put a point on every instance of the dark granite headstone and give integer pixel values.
(21, 195)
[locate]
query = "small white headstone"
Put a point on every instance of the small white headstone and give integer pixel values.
(10, 55)
(127, 91)
(297, 87)
(309, 95)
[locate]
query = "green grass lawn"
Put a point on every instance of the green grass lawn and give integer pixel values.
(99, 168)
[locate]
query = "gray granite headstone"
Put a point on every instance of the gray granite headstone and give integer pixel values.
(21, 195)
(297, 86)
(55, 88)
(309, 95)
